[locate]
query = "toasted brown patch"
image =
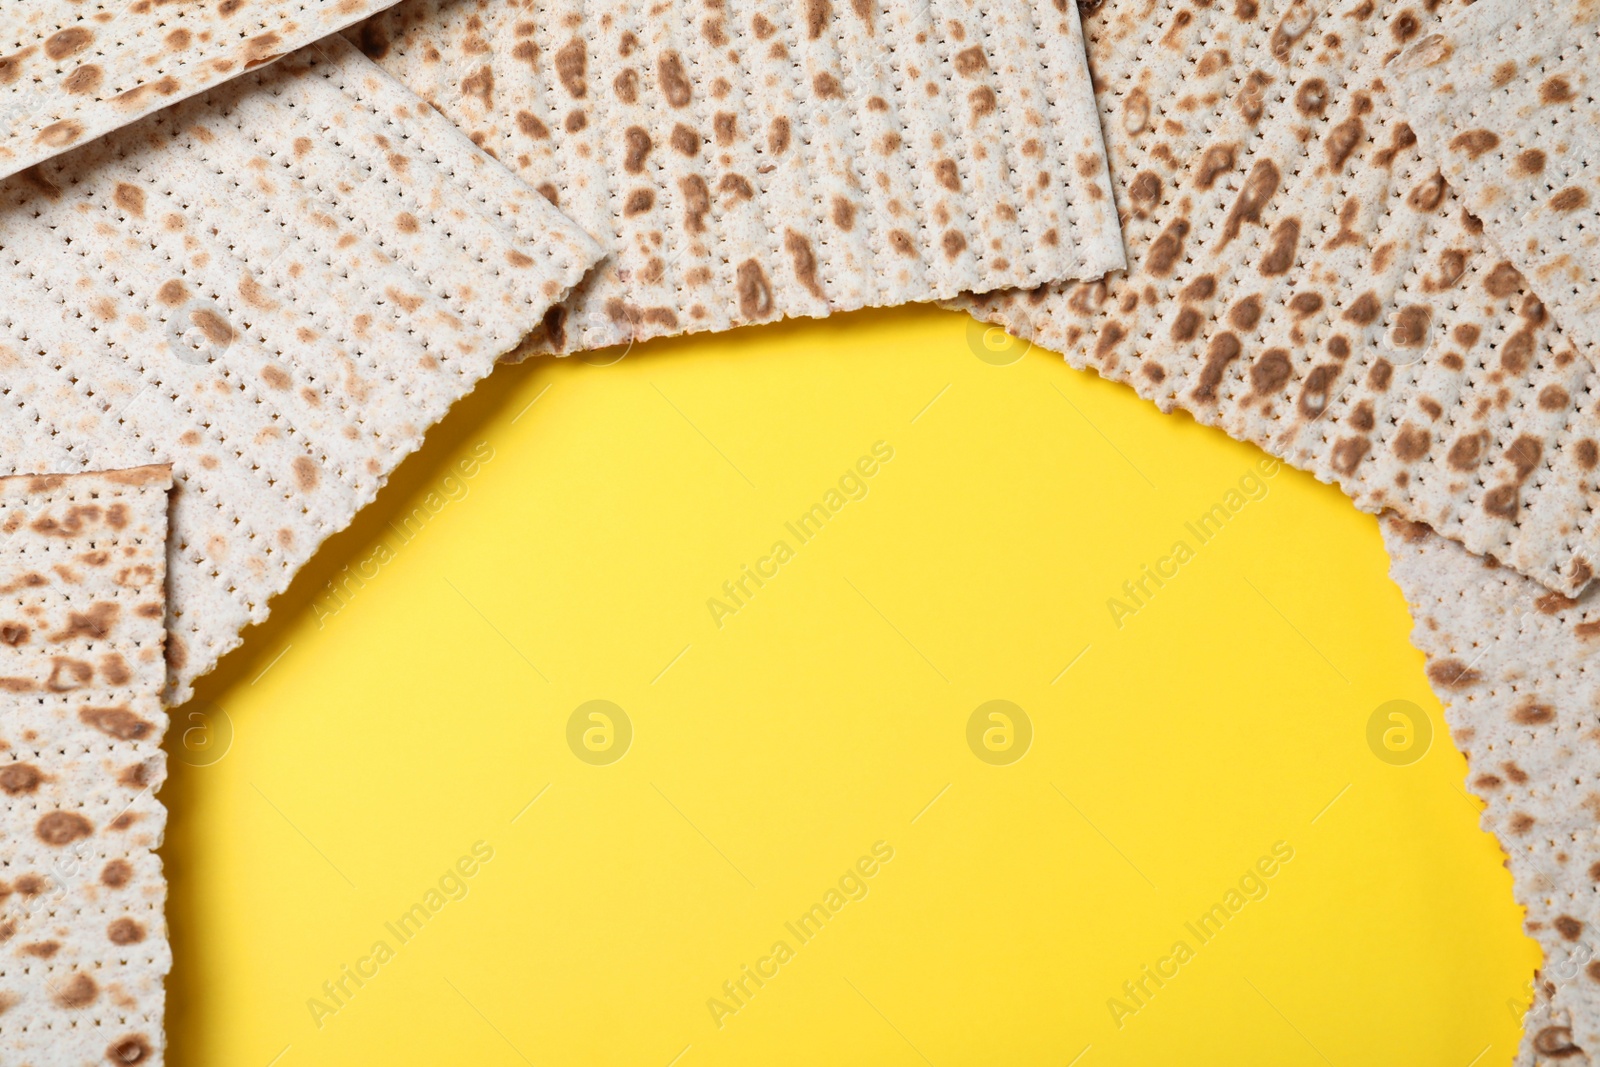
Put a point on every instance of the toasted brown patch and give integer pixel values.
(130, 1051)
(1258, 189)
(60, 828)
(19, 778)
(79, 991)
(1570, 199)
(1556, 89)
(68, 42)
(572, 68)
(805, 263)
(1451, 673)
(1222, 351)
(1532, 713)
(675, 84)
(755, 291)
(119, 722)
(306, 473)
(1475, 142)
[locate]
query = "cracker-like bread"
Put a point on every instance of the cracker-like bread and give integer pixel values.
(754, 159)
(71, 71)
(1303, 277)
(1502, 96)
(1515, 665)
(83, 935)
(277, 286)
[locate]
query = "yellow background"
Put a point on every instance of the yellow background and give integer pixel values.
(374, 744)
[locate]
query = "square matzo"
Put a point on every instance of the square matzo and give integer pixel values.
(1516, 668)
(748, 160)
(1302, 276)
(83, 935)
(72, 70)
(277, 286)
(1504, 98)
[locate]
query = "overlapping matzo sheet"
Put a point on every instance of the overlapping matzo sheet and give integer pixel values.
(1547, 1033)
(72, 70)
(1504, 98)
(278, 286)
(755, 159)
(83, 934)
(1517, 669)
(1302, 276)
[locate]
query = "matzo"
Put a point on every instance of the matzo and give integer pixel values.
(72, 70)
(751, 159)
(83, 934)
(278, 286)
(1304, 278)
(1517, 670)
(1503, 97)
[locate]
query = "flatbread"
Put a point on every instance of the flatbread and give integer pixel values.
(1303, 278)
(1547, 1033)
(83, 933)
(278, 286)
(1504, 98)
(1518, 668)
(756, 159)
(71, 71)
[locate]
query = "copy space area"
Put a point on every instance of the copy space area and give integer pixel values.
(863, 691)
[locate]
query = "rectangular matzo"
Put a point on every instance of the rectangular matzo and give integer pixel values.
(1301, 276)
(72, 70)
(1503, 98)
(749, 160)
(83, 933)
(1516, 668)
(277, 286)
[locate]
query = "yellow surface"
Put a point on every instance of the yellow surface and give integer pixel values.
(582, 516)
